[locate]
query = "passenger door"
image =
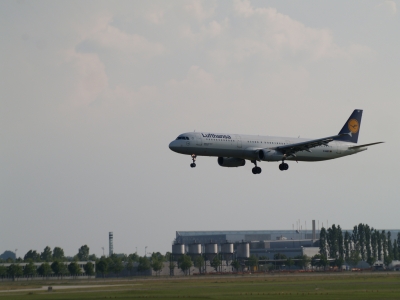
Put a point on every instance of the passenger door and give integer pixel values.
(199, 140)
(239, 141)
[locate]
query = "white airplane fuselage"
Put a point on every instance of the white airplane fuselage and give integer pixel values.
(240, 146)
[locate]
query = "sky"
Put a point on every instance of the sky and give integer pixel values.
(92, 93)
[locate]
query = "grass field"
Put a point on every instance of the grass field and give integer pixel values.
(300, 286)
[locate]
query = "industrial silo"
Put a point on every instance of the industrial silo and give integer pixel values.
(211, 250)
(178, 250)
(227, 251)
(243, 250)
(194, 250)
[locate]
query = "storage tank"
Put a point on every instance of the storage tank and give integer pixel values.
(243, 250)
(178, 249)
(194, 249)
(227, 251)
(211, 250)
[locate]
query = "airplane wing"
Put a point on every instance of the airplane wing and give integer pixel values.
(291, 149)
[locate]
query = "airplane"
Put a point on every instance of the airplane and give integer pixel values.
(233, 150)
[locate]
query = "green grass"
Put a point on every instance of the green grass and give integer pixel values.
(302, 286)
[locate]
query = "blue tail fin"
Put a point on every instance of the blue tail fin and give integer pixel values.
(351, 128)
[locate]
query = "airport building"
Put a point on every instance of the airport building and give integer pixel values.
(243, 243)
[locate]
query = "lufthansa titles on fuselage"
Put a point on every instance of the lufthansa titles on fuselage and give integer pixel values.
(216, 136)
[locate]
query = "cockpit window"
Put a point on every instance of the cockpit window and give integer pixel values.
(182, 138)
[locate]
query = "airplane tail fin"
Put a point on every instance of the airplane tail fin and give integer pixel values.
(351, 128)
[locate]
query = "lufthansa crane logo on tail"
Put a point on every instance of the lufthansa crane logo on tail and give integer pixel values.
(353, 125)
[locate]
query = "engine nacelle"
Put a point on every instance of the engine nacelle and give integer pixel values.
(253, 154)
(231, 162)
(271, 155)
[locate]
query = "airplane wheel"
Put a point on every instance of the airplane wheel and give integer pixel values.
(281, 167)
(258, 170)
(286, 167)
(193, 165)
(254, 171)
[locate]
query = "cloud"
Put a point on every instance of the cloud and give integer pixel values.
(155, 15)
(200, 9)
(389, 6)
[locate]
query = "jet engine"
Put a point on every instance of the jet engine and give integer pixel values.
(254, 154)
(231, 162)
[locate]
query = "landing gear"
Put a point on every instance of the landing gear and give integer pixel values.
(255, 170)
(283, 166)
(193, 164)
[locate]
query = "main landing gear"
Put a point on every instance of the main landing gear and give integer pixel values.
(255, 170)
(193, 164)
(283, 166)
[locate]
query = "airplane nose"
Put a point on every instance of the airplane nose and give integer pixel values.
(172, 145)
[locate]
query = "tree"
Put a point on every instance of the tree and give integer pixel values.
(3, 271)
(379, 244)
(58, 254)
(340, 242)
(83, 253)
(115, 265)
(367, 231)
(102, 266)
(389, 246)
(89, 268)
(319, 260)
(44, 270)
(354, 258)
(236, 264)
(199, 262)
(93, 257)
(371, 260)
(290, 262)
(46, 255)
(346, 245)
(215, 263)
(322, 241)
(302, 261)
(134, 257)
(74, 269)
(281, 257)
(185, 263)
(30, 270)
(157, 265)
(144, 264)
(32, 255)
(395, 250)
(253, 261)
(129, 265)
(374, 244)
(59, 268)
(14, 271)
(332, 240)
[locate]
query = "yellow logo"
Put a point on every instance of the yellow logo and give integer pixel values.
(353, 125)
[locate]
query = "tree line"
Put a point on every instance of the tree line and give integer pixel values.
(364, 243)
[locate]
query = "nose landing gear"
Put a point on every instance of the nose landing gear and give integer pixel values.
(193, 164)
(255, 170)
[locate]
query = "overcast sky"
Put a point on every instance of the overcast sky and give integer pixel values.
(92, 92)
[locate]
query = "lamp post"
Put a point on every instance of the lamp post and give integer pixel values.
(103, 250)
(145, 251)
(16, 254)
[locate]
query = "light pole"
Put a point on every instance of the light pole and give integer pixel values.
(16, 254)
(103, 250)
(136, 250)
(145, 251)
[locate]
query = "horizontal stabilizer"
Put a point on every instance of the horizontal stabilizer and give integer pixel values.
(365, 145)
